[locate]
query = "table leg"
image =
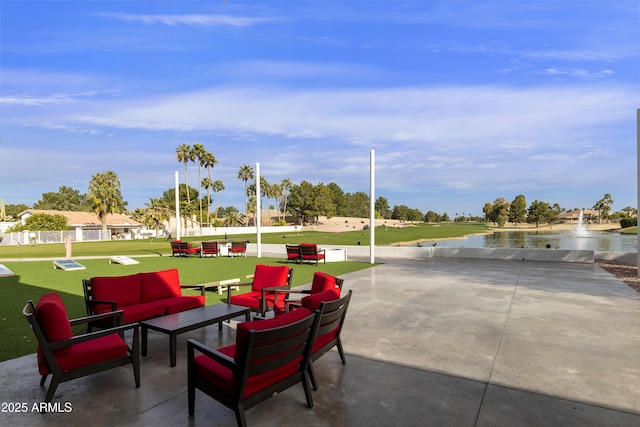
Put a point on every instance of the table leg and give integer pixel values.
(145, 331)
(220, 325)
(172, 348)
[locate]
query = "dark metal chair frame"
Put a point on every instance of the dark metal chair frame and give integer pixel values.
(267, 350)
(184, 249)
(312, 253)
(293, 253)
(294, 303)
(60, 376)
(263, 300)
(210, 248)
(238, 248)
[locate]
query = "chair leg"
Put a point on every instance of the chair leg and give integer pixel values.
(312, 377)
(52, 389)
(240, 418)
(341, 351)
(307, 388)
(43, 379)
(135, 357)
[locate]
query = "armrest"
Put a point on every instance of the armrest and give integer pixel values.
(202, 288)
(93, 302)
(118, 316)
(223, 359)
(93, 335)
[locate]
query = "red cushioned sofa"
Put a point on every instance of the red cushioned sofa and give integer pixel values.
(140, 296)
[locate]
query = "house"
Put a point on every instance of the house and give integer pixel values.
(119, 226)
(574, 215)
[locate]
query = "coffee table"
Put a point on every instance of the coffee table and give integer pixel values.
(184, 321)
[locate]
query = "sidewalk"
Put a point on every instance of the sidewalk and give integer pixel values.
(431, 342)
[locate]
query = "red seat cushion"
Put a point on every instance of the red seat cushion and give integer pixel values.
(322, 282)
(313, 302)
(252, 299)
(93, 351)
(124, 290)
(160, 284)
(51, 316)
(267, 276)
(138, 312)
(223, 378)
(177, 304)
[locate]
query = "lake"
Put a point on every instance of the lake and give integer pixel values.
(588, 240)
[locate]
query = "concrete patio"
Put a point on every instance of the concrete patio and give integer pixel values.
(429, 342)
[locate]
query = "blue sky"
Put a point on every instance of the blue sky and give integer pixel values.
(463, 102)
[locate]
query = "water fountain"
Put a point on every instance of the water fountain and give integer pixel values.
(581, 228)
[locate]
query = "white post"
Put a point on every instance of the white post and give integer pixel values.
(177, 207)
(258, 210)
(372, 208)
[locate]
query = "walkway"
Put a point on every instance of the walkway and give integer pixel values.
(435, 342)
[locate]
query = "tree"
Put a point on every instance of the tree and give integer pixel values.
(105, 197)
(538, 212)
(276, 193)
(217, 187)
(430, 216)
(286, 188)
(155, 214)
(245, 174)
(518, 210)
(553, 215)
(184, 154)
(382, 207)
(234, 219)
(603, 206)
(42, 222)
(12, 210)
(208, 161)
(400, 212)
(501, 211)
(198, 153)
(66, 199)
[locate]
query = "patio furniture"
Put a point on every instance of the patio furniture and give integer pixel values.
(310, 253)
(210, 248)
(140, 296)
(332, 315)
(185, 321)
(321, 282)
(269, 356)
(67, 357)
(293, 253)
(180, 248)
(266, 280)
(238, 248)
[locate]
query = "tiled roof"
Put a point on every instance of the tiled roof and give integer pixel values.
(76, 219)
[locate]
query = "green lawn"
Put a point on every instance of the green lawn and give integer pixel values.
(35, 278)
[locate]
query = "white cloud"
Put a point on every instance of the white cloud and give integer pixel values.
(200, 20)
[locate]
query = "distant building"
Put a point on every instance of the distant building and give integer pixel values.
(119, 226)
(574, 215)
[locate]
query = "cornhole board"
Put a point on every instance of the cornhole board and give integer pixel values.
(5, 272)
(68, 265)
(123, 260)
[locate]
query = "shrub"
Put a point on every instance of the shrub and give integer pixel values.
(628, 222)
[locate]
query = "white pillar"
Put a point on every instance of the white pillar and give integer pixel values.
(177, 206)
(372, 208)
(258, 210)
(638, 176)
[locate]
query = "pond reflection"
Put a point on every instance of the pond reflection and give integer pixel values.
(592, 240)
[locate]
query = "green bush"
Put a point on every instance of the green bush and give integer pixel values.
(628, 222)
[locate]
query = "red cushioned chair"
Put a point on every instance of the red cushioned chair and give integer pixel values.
(321, 282)
(266, 280)
(238, 249)
(210, 248)
(333, 311)
(269, 356)
(311, 253)
(293, 253)
(68, 357)
(180, 248)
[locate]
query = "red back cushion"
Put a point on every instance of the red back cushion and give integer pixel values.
(267, 276)
(52, 318)
(322, 282)
(313, 302)
(160, 285)
(124, 290)
(243, 329)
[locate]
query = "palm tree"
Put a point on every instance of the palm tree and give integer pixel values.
(276, 193)
(184, 154)
(199, 152)
(155, 214)
(234, 219)
(208, 160)
(105, 197)
(265, 191)
(286, 188)
(245, 174)
(208, 185)
(217, 186)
